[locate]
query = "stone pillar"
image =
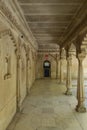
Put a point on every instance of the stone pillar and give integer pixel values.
(62, 57)
(18, 72)
(57, 62)
(68, 80)
(80, 86)
(18, 98)
(57, 69)
(61, 70)
(27, 74)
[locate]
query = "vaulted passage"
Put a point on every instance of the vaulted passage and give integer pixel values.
(47, 108)
(43, 64)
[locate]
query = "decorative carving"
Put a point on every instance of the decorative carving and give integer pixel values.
(27, 51)
(8, 13)
(33, 55)
(81, 56)
(10, 34)
(63, 53)
(4, 33)
(8, 67)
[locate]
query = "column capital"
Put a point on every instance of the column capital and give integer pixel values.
(69, 59)
(62, 54)
(81, 56)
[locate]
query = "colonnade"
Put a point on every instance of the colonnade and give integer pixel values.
(80, 107)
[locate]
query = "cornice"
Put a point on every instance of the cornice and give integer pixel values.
(8, 13)
(4, 33)
(8, 32)
(48, 50)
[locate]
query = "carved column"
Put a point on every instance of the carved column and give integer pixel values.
(61, 70)
(18, 97)
(68, 80)
(57, 62)
(18, 63)
(27, 73)
(56, 69)
(80, 86)
(62, 57)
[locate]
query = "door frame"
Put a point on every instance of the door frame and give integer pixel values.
(48, 67)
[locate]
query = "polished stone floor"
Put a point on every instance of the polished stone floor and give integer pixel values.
(47, 108)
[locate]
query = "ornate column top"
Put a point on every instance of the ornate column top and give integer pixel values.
(81, 56)
(62, 53)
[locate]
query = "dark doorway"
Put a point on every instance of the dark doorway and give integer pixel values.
(47, 67)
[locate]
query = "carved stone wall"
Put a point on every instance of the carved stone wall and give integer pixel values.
(7, 81)
(14, 85)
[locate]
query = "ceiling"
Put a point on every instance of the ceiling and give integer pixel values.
(50, 19)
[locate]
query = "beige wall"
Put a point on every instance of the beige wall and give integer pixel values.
(7, 84)
(13, 86)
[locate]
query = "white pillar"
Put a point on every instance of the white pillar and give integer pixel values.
(61, 70)
(68, 78)
(80, 86)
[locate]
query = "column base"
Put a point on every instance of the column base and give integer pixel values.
(80, 109)
(68, 93)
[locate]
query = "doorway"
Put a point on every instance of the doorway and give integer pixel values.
(47, 68)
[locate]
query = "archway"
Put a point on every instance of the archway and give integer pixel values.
(47, 68)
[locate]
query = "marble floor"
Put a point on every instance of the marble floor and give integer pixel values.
(47, 108)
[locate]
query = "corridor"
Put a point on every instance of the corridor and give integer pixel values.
(47, 108)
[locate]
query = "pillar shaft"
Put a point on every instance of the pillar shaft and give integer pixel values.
(68, 78)
(18, 84)
(27, 80)
(56, 69)
(80, 86)
(61, 71)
